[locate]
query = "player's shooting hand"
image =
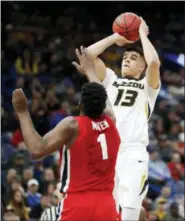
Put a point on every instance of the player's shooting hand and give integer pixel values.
(120, 40)
(19, 101)
(86, 62)
(143, 27)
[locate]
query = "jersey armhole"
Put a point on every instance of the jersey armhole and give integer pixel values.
(151, 92)
(110, 77)
(151, 95)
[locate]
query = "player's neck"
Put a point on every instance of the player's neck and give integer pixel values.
(126, 75)
(137, 76)
(130, 76)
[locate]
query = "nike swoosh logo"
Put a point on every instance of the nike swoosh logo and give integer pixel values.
(140, 161)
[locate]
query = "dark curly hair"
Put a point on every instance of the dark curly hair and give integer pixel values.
(93, 100)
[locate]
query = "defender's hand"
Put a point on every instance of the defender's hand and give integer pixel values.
(19, 101)
(143, 27)
(86, 62)
(120, 40)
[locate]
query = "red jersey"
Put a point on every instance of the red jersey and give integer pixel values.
(90, 160)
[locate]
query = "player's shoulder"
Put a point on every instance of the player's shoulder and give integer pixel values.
(111, 73)
(70, 123)
(81, 123)
(112, 125)
(109, 118)
(112, 128)
(81, 119)
(110, 70)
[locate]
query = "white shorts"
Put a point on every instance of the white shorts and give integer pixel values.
(131, 184)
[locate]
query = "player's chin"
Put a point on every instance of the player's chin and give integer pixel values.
(126, 72)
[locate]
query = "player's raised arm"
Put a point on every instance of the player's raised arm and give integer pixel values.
(151, 57)
(99, 47)
(87, 67)
(41, 146)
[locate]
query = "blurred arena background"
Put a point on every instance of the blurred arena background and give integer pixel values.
(38, 42)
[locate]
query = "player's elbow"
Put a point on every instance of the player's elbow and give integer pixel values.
(35, 156)
(154, 63)
(93, 56)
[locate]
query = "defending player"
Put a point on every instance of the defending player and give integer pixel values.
(92, 141)
(133, 98)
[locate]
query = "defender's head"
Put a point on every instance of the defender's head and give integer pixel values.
(93, 100)
(133, 63)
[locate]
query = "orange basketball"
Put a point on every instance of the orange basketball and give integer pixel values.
(127, 25)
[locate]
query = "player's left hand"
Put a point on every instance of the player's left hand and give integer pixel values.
(143, 27)
(86, 62)
(19, 101)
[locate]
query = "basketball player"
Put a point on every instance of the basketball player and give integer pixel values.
(51, 212)
(92, 141)
(133, 97)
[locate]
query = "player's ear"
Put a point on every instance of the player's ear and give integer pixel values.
(141, 71)
(142, 65)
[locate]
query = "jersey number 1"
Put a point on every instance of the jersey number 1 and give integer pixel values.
(102, 140)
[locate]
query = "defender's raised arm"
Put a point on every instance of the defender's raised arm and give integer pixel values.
(86, 66)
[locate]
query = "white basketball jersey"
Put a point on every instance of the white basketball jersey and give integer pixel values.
(133, 101)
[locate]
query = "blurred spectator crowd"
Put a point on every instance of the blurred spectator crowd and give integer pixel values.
(38, 46)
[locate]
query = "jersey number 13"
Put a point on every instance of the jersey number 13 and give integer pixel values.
(129, 98)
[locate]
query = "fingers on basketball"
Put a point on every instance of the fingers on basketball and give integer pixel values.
(127, 25)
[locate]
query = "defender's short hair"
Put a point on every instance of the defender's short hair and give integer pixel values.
(93, 100)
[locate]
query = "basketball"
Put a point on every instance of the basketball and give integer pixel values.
(127, 25)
